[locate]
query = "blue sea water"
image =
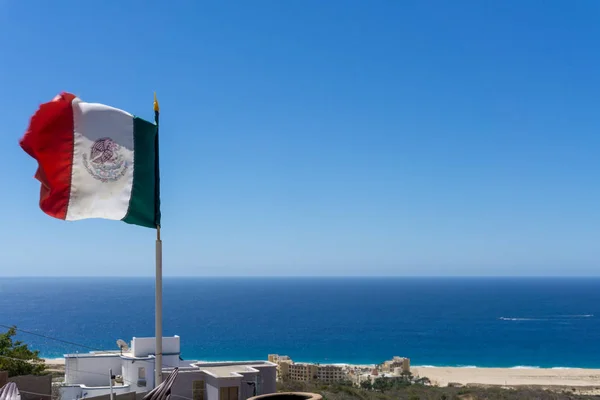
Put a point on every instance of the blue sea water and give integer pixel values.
(500, 322)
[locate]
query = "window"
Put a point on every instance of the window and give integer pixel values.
(141, 382)
(198, 390)
(228, 393)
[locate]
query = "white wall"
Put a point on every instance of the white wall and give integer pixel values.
(142, 347)
(131, 369)
(247, 390)
(214, 384)
(212, 393)
(267, 379)
(183, 385)
(70, 392)
(223, 382)
(91, 371)
(99, 391)
(172, 361)
(80, 391)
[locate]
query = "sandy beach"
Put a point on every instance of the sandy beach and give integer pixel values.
(442, 376)
(55, 365)
(54, 361)
(510, 376)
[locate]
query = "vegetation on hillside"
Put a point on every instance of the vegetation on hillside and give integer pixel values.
(396, 389)
(13, 351)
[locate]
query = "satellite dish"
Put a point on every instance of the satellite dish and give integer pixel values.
(122, 345)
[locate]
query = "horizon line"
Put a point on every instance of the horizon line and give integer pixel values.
(297, 276)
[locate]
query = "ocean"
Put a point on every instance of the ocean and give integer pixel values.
(484, 322)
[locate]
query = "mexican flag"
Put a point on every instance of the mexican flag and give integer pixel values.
(95, 161)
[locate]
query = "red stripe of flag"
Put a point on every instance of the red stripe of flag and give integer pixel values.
(49, 140)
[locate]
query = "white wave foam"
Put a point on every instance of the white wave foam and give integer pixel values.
(552, 318)
(445, 366)
(474, 366)
(576, 316)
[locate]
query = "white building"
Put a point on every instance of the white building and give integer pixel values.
(224, 380)
(87, 375)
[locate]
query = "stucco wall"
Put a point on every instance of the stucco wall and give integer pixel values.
(247, 390)
(183, 383)
(91, 371)
(124, 396)
(213, 385)
(131, 370)
(172, 361)
(81, 391)
(212, 392)
(267, 379)
(141, 347)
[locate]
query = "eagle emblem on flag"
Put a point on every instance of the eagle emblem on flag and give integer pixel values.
(105, 161)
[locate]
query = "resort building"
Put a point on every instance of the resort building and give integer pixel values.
(87, 375)
(397, 365)
(303, 372)
(331, 373)
(276, 358)
(287, 369)
(283, 365)
(394, 368)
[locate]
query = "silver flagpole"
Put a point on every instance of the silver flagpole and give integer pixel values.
(158, 284)
(158, 305)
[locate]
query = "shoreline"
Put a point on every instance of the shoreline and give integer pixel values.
(61, 361)
(473, 375)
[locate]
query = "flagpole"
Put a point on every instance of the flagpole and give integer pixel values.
(158, 319)
(158, 283)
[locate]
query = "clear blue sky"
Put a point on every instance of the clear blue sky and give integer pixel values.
(322, 138)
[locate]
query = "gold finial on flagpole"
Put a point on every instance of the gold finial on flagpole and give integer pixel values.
(156, 107)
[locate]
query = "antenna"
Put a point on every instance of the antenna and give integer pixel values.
(122, 345)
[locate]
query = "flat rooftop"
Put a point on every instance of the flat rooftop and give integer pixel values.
(227, 369)
(108, 353)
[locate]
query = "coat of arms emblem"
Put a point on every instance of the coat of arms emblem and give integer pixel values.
(105, 161)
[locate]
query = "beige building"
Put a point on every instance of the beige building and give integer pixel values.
(397, 364)
(276, 358)
(283, 365)
(303, 372)
(287, 369)
(331, 373)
